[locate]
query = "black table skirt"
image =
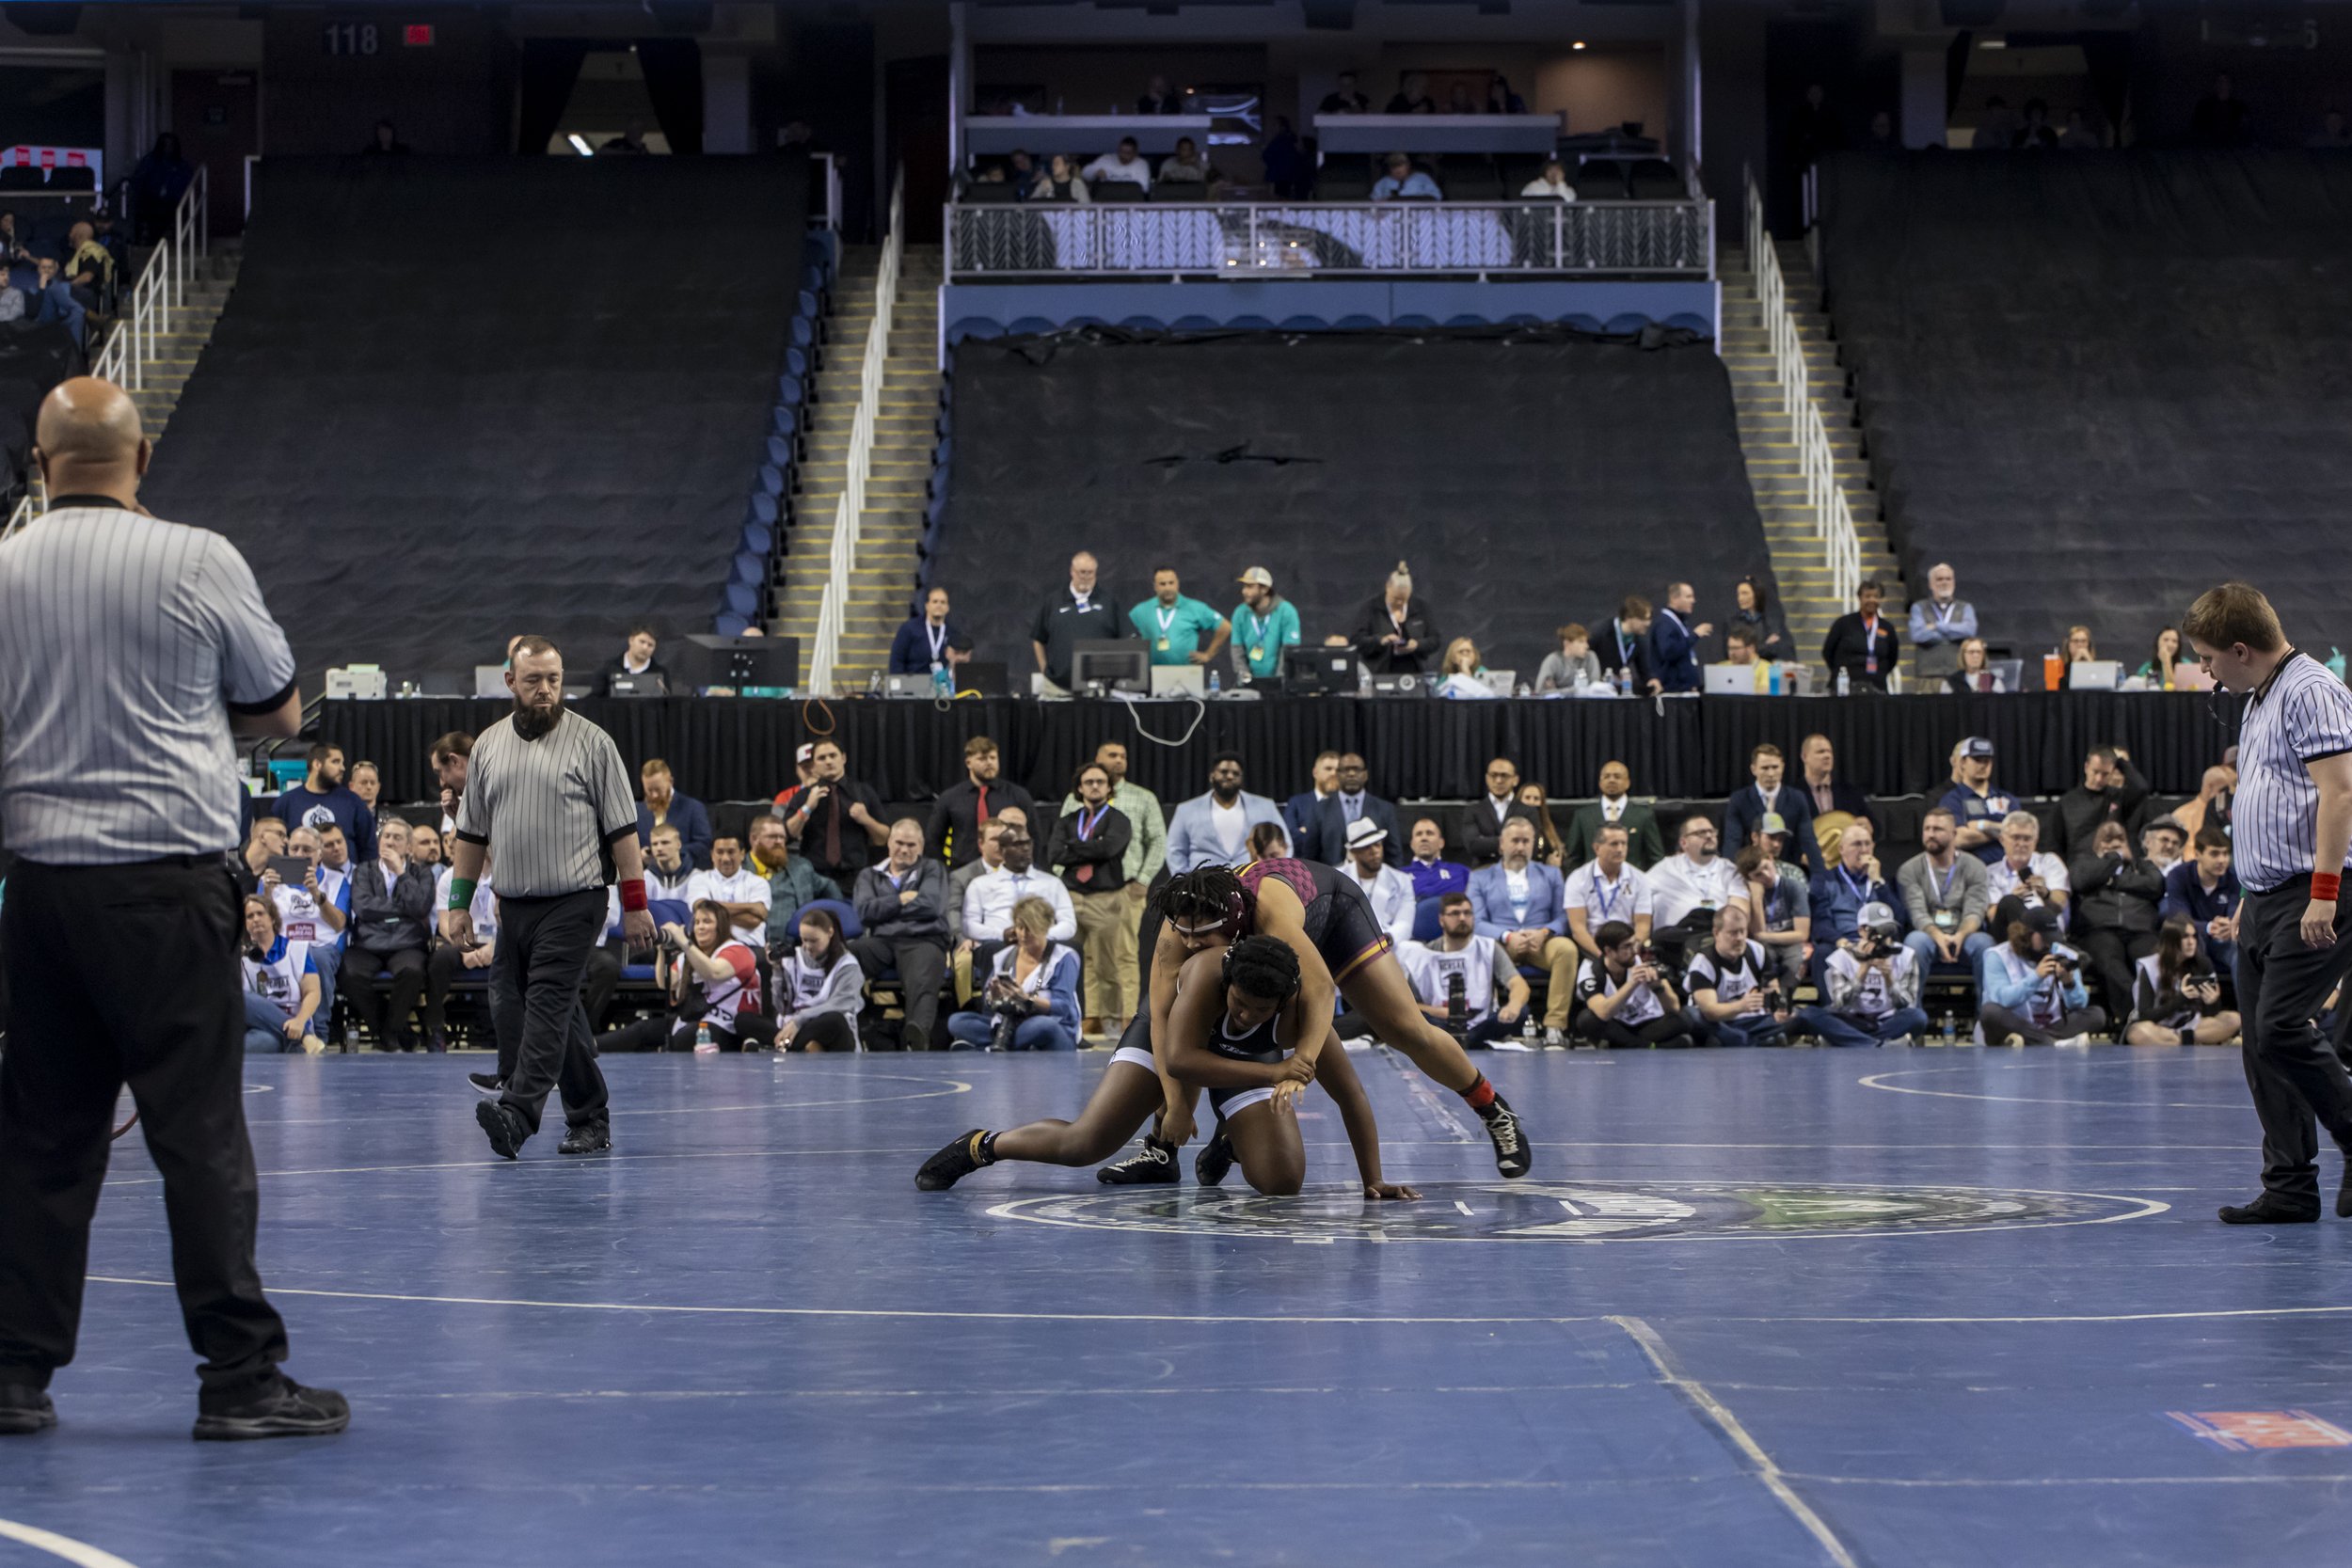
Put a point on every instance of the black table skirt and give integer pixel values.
(742, 750)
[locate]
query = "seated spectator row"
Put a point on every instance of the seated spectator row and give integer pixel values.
(1128, 174)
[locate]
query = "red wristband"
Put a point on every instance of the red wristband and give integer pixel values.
(633, 894)
(2326, 885)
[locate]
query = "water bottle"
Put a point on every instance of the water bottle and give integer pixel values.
(1771, 681)
(942, 684)
(1527, 1028)
(1951, 1032)
(1524, 690)
(704, 1044)
(1625, 682)
(1217, 682)
(1845, 684)
(873, 684)
(1894, 681)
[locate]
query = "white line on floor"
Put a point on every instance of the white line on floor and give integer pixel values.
(80, 1553)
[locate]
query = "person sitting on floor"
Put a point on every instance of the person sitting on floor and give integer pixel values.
(1735, 996)
(2176, 999)
(820, 988)
(1870, 985)
(712, 982)
(2033, 989)
(1625, 999)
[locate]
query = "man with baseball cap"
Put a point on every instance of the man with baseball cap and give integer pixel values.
(1870, 985)
(1975, 806)
(1388, 890)
(1264, 624)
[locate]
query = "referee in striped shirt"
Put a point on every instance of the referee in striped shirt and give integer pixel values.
(129, 648)
(2291, 840)
(545, 791)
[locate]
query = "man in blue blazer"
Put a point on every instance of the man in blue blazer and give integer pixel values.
(1300, 807)
(1325, 836)
(1521, 903)
(1213, 828)
(1674, 641)
(1748, 807)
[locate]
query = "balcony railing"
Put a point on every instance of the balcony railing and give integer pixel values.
(1616, 239)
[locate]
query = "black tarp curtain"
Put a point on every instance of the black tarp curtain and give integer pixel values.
(673, 68)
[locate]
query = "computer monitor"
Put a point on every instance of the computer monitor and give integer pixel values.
(1110, 664)
(983, 677)
(737, 663)
(1307, 669)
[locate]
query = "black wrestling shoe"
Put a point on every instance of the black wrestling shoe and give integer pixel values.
(952, 1164)
(594, 1137)
(1512, 1157)
(506, 1127)
(2344, 1192)
(24, 1409)
(2267, 1210)
(1152, 1165)
(285, 1409)
(1215, 1160)
(488, 1082)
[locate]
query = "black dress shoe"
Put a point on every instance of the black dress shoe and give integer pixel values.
(24, 1409)
(2267, 1210)
(504, 1124)
(285, 1409)
(593, 1137)
(2344, 1192)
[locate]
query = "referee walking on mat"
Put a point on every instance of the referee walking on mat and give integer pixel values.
(2291, 839)
(545, 791)
(128, 647)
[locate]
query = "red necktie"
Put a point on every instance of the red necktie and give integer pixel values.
(983, 812)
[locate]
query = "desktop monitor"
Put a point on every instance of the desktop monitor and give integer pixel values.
(1110, 664)
(737, 663)
(1307, 669)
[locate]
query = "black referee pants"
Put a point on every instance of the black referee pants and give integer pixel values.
(116, 973)
(535, 988)
(2290, 1068)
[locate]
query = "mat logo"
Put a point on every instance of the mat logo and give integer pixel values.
(2239, 1431)
(1578, 1211)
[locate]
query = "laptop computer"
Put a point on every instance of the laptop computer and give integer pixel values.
(489, 680)
(2094, 674)
(1730, 680)
(907, 686)
(1177, 680)
(1502, 683)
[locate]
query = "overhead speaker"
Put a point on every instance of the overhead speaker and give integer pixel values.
(1331, 16)
(45, 20)
(1972, 14)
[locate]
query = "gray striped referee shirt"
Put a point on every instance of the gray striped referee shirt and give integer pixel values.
(124, 644)
(549, 809)
(2303, 713)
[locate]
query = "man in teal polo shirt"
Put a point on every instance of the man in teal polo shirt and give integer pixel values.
(1171, 625)
(1264, 624)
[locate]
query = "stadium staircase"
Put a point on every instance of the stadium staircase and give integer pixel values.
(1808, 600)
(882, 579)
(177, 351)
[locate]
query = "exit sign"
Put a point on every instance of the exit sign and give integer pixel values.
(416, 34)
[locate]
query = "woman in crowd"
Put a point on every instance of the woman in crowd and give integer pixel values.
(1086, 850)
(1780, 906)
(1267, 842)
(2177, 997)
(1756, 611)
(1573, 666)
(820, 988)
(2116, 907)
(2077, 649)
(2163, 660)
(712, 981)
(1462, 673)
(282, 984)
(1976, 671)
(1031, 1001)
(1548, 839)
(1060, 182)
(1395, 635)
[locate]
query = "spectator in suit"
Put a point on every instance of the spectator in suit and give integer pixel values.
(1089, 849)
(1213, 828)
(1756, 611)
(1944, 897)
(1840, 894)
(2112, 790)
(1625, 644)
(1863, 642)
(323, 798)
(1688, 888)
(1768, 796)
(1573, 667)
(1172, 627)
(1835, 803)
(1977, 808)
(663, 803)
(792, 882)
(1432, 874)
(636, 659)
(2116, 900)
(1301, 809)
(2204, 892)
(1389, 890)
(1674, 641)
(1075, 614)
(836, 821)
(928, 641)
(391, 917)
(954, 830)
(1395, 635)
(1520, 902)
(1325, 838)
(1941, 623)
(903, 903)
(1606, 889)
(1615, 805)
(1482, 829)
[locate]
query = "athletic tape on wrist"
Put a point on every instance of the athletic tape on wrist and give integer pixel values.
(2326, 885)
(461, 892)
(633, 894)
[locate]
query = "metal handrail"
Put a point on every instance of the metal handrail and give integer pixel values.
(833, 608)
(1817, 460)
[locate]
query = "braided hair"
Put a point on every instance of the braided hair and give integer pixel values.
(1210, 895)
(1262, 966)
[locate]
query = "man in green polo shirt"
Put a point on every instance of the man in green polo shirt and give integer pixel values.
(1172, 627)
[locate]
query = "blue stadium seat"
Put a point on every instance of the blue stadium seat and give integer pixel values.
(742, 598)
(1196, 324)
(771, 480)
(1687, 322)
(1467, 320)
(1250, 323)
(788, 421)
(1305, 324)
(851, 928)
(1418, 322)
(1030, 326)
(796, 364)
(764, 511)
(1578, 321)
(808, 304)
(748, 567)
(1627, 321)
(724, 625)
(758, 538)
(803, 332)
(1358, 324)
(780, 453)
(1143, 324)
(975, 326)
(789, 393)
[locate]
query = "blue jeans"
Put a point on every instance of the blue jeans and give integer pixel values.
(1757, 1029)
(265, 1026)
(1044, 1032)
(1840, 1029)
(57, 304)
(1972, 947)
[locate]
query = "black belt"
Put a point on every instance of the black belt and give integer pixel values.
(218, 859)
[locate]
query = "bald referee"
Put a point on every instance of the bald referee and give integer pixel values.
(546, 794)
(2291, 839)
(129, 648)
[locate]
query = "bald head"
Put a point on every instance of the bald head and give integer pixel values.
(89, 441)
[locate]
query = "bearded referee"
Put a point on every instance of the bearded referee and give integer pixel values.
(2291, 839)
(129, 648)
(545, 791)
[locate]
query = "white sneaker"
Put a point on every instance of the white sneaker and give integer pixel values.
(2076, 1039)
(1555, 1039)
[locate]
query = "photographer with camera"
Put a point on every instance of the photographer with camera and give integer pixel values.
(712, 981)
(2177, 1000)
(2033, 988)
(1455, 977)
(1735, 992)
(1623, 998)
(1872, 982)
(1031, 1001)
